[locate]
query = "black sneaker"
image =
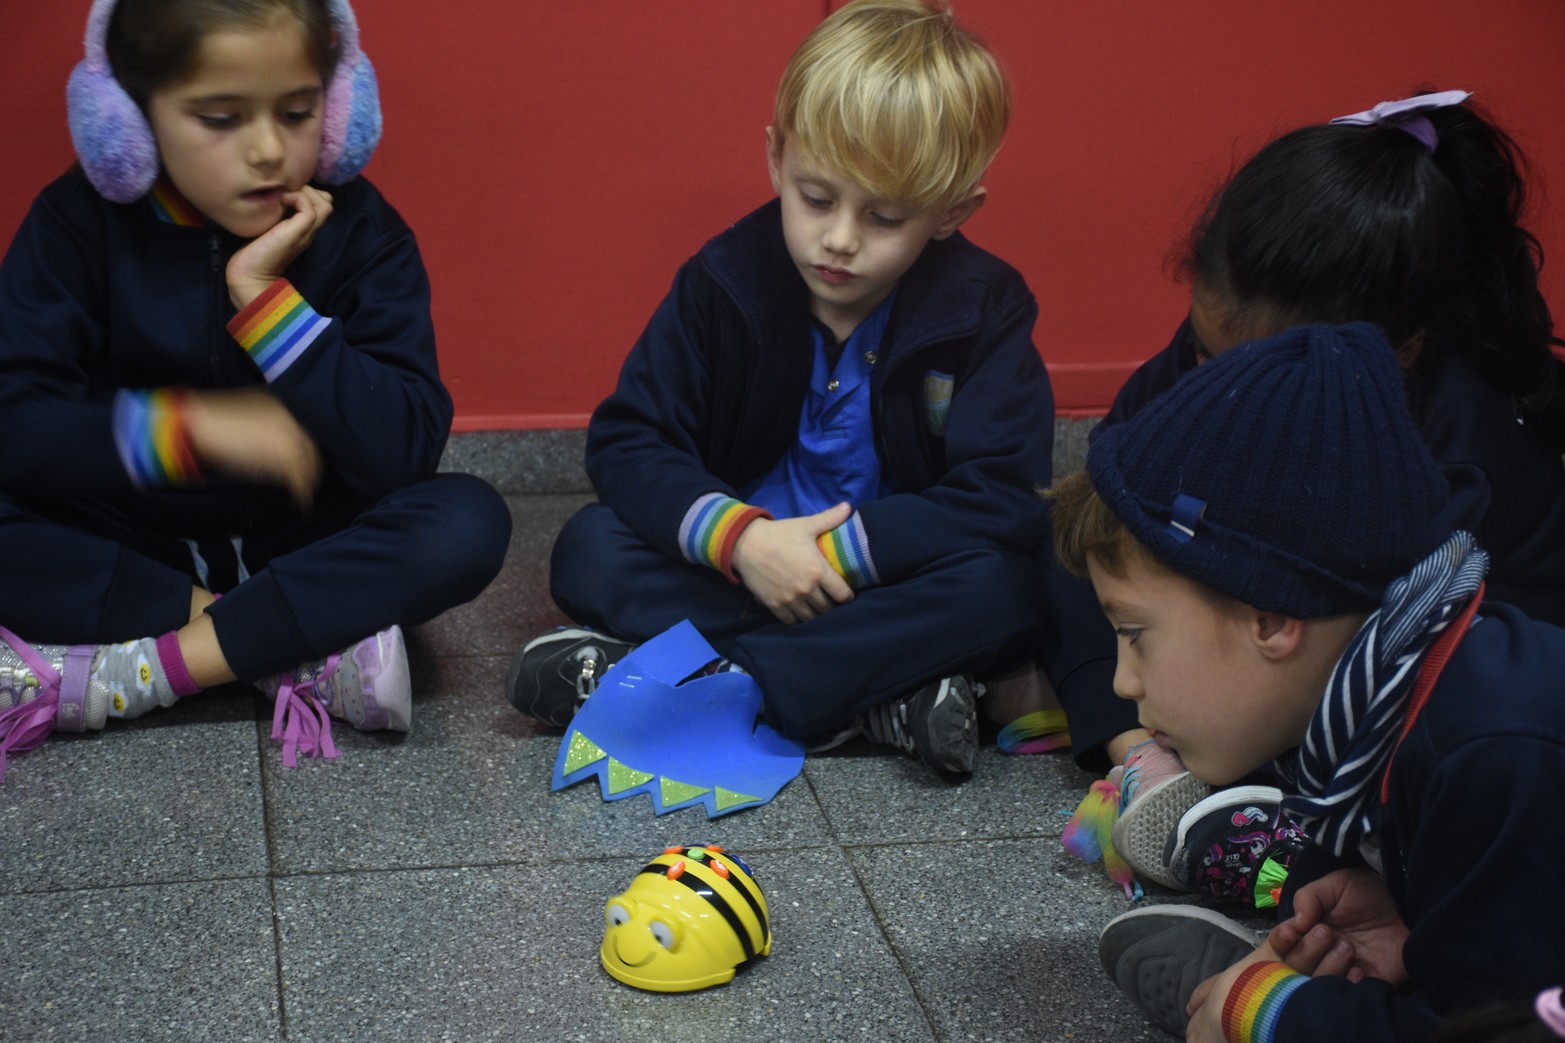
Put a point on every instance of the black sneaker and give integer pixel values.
(1157, 956)
(554, 674)
(938, 723)
(1234, 847)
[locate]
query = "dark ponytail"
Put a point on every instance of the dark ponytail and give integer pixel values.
(1497, 317)
(1336, 223)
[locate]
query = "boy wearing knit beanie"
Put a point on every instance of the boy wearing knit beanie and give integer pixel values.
(1263, 538)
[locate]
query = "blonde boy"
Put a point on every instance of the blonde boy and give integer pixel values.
(1264, 539)
(822, 448)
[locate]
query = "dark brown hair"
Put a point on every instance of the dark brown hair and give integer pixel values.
(153, 43)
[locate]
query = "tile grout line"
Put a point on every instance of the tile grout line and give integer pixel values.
(262, 737)
(277, 952)
(896, 951)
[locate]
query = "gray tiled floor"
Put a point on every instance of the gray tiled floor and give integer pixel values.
(167, 880)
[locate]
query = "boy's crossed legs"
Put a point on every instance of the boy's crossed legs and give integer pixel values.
(874, 657)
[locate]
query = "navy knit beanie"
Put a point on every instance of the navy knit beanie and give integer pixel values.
(1286, 473)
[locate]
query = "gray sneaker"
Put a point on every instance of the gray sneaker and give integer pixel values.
(937, 723)
(1157, 956)
(553, 674)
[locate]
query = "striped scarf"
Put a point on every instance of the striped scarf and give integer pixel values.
(1335, 773)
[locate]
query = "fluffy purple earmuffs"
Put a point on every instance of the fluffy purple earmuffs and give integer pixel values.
(115, 144)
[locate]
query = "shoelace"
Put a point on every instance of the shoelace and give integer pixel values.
(1089, 835)
(26, 725)
(587, 676)
(300, 720)
(593, 666)
(885, 725)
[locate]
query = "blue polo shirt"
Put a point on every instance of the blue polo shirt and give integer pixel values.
(833, 458)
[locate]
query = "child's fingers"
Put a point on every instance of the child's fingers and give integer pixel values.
(1199, 996)
(1284, 937)
(836, 589)
(827, 520)
(1316, 943)
(1338, 959)
(311, 208)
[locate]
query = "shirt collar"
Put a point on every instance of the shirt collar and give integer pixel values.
(172, 207)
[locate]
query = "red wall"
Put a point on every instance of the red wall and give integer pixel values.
(559, 160)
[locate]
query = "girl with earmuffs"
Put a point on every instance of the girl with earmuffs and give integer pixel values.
(218, 384)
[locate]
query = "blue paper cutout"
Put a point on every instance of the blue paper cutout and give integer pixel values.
(702, 740)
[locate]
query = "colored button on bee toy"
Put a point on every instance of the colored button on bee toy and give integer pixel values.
(691, 918)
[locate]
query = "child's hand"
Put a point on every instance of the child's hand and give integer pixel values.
(1206, 1002)
(264, 259)
(1354, 905)
(1318, 951)
(780, 564)
(250, 434)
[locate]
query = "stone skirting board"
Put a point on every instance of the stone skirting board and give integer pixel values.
(538, 462)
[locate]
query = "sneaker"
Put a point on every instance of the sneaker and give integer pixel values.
(367, 685)
(43, 689)
(1157, 956)
(938, 723)
(1155, 793)
(1235, 847)
(554, 674)
(60, 674)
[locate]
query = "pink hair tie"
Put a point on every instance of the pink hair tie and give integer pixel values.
(1550, 1011)
(1407, 115)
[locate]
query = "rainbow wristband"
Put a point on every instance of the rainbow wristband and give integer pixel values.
(1256, 999)
(276, 328)
(152, 439)
(846, 549)
(710, 529)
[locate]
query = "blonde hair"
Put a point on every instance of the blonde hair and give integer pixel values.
(897, 96)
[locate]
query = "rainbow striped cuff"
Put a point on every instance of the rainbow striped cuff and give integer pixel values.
(1256, 999)
(149, 432)
(276, 328)
(173, 208)
(846, 549)
(712, 526)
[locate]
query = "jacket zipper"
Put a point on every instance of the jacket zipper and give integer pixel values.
(215, 249)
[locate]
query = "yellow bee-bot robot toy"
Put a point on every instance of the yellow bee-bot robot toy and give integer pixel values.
(690, 919)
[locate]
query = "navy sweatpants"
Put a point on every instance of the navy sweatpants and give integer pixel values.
(99, 570)
(1078, 657)
(976, 611)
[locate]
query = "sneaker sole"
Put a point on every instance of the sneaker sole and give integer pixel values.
(1142, 834)
(955, 715)
(1157, 957)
